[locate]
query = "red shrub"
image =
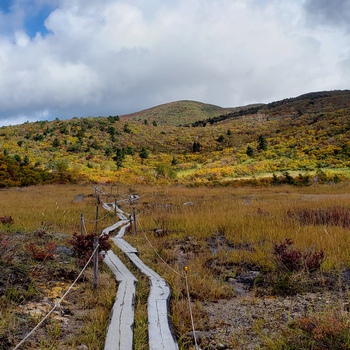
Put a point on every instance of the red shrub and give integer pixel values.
(289, 258)
(42, 253)
(7, 220)
(83, 245)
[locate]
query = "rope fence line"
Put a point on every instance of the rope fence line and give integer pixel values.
(155, 250)
(57, 304)
(185, 276)
(190, 308)
(100, 219)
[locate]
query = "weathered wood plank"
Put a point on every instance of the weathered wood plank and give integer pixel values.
(160, 332)
(120, 330)
(124, 246)
(113, 227)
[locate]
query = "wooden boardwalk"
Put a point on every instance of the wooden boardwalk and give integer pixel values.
(161, 336)
(120, 330)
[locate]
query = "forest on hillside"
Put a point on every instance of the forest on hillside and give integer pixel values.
(296, 137)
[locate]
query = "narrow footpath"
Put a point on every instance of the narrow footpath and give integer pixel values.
(120, 330)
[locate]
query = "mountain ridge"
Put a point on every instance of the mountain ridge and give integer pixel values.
(180, 112)
(305, 134)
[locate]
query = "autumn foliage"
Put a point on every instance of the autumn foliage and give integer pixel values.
(297, 141)
(289, 258)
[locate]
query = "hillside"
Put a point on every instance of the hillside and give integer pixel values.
(303, 134)
(179, 113)
(311, 103)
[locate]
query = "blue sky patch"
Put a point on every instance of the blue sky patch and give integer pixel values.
(29, 16)
(34, 22)
(5, 6)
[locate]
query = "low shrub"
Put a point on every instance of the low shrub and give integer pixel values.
(319, 333)
(41, 253)
(83, 245)
(334, 216)
(289, 258)
(7, 220)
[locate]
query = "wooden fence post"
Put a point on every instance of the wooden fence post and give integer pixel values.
(96, 219)
(82, 224)
(95, 261)
(134, 218)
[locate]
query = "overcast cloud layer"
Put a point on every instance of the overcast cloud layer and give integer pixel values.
(66, 58)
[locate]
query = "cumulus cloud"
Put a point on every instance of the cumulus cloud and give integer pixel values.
(336, 12)
(114, 57)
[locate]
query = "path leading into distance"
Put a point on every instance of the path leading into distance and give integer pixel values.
(120, 330)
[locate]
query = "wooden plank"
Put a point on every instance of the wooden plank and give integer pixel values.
(124, 246)
(120, 330)
(113, 227)
(160, 334)
(111, 206)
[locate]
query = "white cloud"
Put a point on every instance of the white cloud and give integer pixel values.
(112, 57)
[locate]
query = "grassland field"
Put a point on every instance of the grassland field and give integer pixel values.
(218, 233)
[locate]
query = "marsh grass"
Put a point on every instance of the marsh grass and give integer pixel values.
(216, 232)
(44, 217)
(141, 319)
(46, 207)
(254, 216)
(319, 331)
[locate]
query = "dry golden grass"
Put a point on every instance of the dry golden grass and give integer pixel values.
(47, 207)
(254, 217)
(50, 209)
(251, 220)
(213, 231)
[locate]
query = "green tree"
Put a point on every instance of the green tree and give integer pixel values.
(250, 151)
(108, 151)
(220, 139)
(143, 154)
(17, 158)
(165, 171)
(119, 157)
(129, 151)
(127, 128)
(111, 130)
(113, 119)
(38, 137)
(262, 143)
(26, 160)
(56, 142)
(196, 147)
(62, 166)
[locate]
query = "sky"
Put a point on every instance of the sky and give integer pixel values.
(78, 58)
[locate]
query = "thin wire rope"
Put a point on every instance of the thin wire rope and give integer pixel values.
(108, 213)
(187, 285)
(57, 303)
(191, 315)
(155, 250)
(85, 229)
